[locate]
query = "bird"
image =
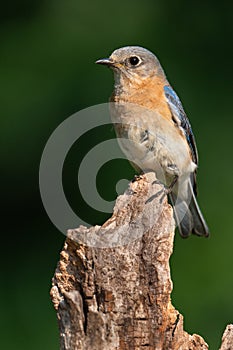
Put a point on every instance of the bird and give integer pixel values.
(154, 131)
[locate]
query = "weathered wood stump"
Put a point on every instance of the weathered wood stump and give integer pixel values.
(119, 296)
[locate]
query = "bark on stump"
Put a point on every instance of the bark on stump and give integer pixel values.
(118, 297)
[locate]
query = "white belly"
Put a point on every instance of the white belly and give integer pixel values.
(152, 142)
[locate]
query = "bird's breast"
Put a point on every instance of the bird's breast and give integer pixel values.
(149, 95)
(150, 140)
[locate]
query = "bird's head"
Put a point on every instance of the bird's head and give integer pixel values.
(133, 63)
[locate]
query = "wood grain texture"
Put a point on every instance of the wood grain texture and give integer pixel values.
(118, 297)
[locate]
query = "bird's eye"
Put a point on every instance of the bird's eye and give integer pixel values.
(134, 60)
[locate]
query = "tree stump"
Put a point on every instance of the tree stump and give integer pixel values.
(118, 297)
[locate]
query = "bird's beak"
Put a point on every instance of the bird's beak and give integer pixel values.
(105, 61)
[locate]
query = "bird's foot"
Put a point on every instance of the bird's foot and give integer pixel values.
(137, 178)
(164, 191)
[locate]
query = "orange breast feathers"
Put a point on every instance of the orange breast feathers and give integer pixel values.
(147, 93)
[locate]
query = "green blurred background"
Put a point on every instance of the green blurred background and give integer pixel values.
(48, 50)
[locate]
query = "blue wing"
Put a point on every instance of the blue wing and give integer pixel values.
(181, 119)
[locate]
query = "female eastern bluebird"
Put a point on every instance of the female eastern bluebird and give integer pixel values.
(154, 131)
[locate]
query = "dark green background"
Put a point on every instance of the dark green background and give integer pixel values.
(47, 54)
